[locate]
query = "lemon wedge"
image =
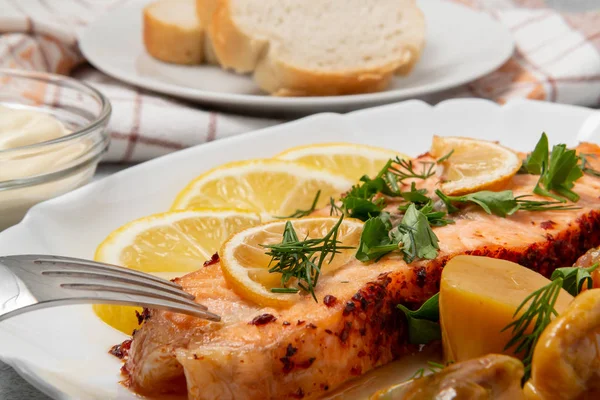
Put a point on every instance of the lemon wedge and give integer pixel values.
(245, 263)
(348, 159)
(168, 244)
(474, 165)
(269, 187)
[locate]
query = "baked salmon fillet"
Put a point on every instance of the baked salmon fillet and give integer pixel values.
(311, 348)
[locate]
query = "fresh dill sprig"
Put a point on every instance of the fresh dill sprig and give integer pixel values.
(586, 166)
(534, 205)
(334, 209)
(302, 260)
(538, 310)
(405, 169)
(445, 157)
(304, 213)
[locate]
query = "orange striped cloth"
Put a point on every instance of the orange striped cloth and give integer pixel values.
(557, 59)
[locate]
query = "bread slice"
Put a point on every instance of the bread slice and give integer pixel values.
(172, 31)
(205, 10)
(318, 47)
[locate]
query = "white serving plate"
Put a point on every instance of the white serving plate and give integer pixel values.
(462, 45)
(63, 351)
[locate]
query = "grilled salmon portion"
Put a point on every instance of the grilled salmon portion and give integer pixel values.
(311, 348)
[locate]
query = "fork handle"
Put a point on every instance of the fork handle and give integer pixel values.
(13, 292)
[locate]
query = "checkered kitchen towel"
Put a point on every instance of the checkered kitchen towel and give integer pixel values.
(557, 59)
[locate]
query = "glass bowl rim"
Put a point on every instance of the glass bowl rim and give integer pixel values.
(100, 120)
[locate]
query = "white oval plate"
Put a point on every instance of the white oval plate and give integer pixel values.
(462, 45)
(63, 351)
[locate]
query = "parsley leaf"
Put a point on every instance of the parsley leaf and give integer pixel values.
(415, 233)
(497, 203)
(535, 160)
(375, 241)
(423, 324)
(502, 203)
(574, 278)
(559, 175)
(413, 236)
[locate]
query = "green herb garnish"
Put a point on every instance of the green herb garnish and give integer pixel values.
(445, 157)
(375, 240)
(413, 237)
(574, 278)
(585, 165)
(405, 169)
(534, 163)
(304, 213)
(433, 367)
(502, 203)
(302, 260)
(538, 311)
(423, 324)
(558, 170)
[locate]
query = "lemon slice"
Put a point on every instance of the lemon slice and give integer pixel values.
(245, 263)
(348, 159)
(167, 244)
(268, 187)
(474, 164)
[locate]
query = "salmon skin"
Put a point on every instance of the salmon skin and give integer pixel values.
(309, 349)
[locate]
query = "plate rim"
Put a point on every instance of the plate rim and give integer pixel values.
(274, 102)
(28, 373)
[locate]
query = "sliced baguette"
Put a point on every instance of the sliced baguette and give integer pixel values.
(205, 10)
(173, 33)
(318, 47)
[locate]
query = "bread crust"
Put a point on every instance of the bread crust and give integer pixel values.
(233, 48)
(242, 53)
(172, 43)
(205, 10)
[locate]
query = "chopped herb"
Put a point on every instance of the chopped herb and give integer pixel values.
(360, 201)
(304, 213)
(423, 324)
(417, 196)
(558, 170)
(502, 203)
(334, 209)
(415, 233)
(538, 311)
(559, 175)
(302, 260)
(433, 367)
(375, 241)
(534, 163)
(445, 157)
(413, 236)
(574, 278)
(405, 169)
(585, 165)
(497, 203)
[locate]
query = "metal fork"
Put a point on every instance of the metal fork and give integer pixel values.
(31, 282)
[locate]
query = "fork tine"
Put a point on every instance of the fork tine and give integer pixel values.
(69, 262)
(85, 284)
(103, 267)
(133, 299)
(107, 277)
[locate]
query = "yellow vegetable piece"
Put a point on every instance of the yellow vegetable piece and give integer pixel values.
(478, 297)
(566, 359)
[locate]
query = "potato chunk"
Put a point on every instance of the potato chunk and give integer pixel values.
(566, 359)
(478, 297)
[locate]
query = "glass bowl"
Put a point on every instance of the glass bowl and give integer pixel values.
(37, 172)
